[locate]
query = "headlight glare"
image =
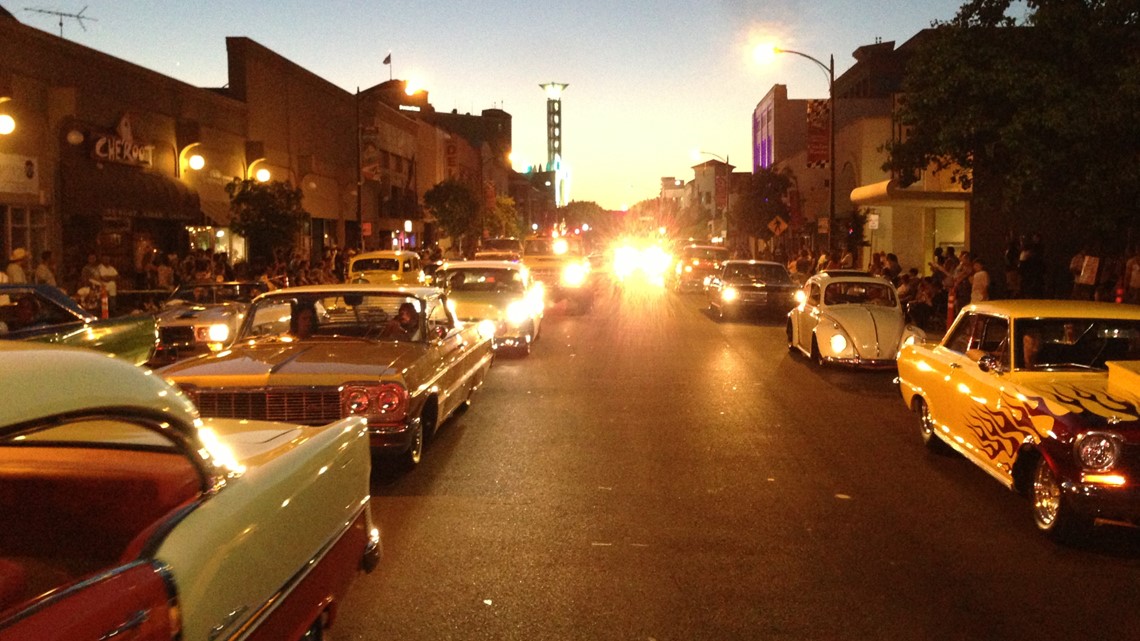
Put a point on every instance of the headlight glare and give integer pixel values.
(838, 343)
(218, 333)
(1098, 451)
(729, 294)
(517, 312)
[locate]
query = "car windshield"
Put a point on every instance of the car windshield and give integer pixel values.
(500, 245)
(335, 315)
(1043, 344)
(557, 246)
(214, 293)
(860, 293)
(376, 265)
(705, 253)
(757, 273)
(482, 280)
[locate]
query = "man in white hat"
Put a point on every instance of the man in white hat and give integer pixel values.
(16, 263)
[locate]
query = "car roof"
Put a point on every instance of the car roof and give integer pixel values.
(42, 380)
(419, 291)
(848, 276)
(483, 264)
(386, 253)
(747, 261)
(1025, 308)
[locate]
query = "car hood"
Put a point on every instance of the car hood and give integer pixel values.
(481, 305)
(308, 363)
(198, 314)
(743, 283)
(1080, 400)
(875, 330)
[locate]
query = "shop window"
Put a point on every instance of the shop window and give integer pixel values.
(23, 227)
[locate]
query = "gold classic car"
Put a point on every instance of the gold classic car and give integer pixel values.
(126, 516)
(386, 267)
(394, 355)
(1045, 397)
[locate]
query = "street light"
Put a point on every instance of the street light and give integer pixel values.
(7, 122)
(828, 69)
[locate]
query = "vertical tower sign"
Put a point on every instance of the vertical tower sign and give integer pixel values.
(554, 136)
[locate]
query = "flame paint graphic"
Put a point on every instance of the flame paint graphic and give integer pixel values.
(1001, 432)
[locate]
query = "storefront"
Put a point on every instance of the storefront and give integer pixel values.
(114, 203)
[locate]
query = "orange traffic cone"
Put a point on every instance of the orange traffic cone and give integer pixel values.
(104, 303)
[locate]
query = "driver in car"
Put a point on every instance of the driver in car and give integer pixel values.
(405, 325)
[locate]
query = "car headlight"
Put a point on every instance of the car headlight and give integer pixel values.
(1098, 451)
(838, 343)
(729, 294)
(517, 312)
(386, 402)
(486, 328)
(574, 275)
(218, 333)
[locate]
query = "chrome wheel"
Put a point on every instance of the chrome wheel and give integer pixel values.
(1046, 496)
(1051, 511)
(926, 428)
(415, 452)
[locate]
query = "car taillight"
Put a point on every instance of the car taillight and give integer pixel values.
(385, 403)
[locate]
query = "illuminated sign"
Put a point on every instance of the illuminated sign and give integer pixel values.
(121, 146)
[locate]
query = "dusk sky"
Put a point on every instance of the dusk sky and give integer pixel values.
(648, 81)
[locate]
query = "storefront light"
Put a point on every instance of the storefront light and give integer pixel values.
(7, 124)
(262, 175)
(196, 162)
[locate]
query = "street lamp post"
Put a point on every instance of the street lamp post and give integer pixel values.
(829, 69)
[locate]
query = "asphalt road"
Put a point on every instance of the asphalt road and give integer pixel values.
(648, 473)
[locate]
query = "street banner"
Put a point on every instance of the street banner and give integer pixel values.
(19, 175)
(818, 128)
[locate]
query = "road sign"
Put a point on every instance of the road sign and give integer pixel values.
(777, 226)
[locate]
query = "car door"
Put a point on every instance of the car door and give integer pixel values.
(131, 602)
(809, 315)
(967, 395)
(449, 350)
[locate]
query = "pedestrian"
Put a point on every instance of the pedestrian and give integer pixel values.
(1085, 268)
(979, 283)
(109, 277)
(45, 272)
(1031, 267)
(17, 266)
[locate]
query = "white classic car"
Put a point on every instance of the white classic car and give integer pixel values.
(202, 317)
(850, 318)
(126, 516)
(501, 292)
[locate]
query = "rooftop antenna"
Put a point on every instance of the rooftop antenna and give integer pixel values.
(79, 17)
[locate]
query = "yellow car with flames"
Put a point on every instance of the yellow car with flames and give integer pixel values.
(1045, 397)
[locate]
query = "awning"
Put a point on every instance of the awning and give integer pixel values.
(90, 189)
(888, 193)
(217, 212)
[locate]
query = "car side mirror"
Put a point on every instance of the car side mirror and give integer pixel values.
(990, 363)
(439, 332)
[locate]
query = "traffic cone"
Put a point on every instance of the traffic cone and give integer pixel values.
(104, 303)
(951, 301)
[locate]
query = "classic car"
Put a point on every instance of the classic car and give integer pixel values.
(499, 249)
(386, 267)
(202, 317)
(1045, 397)
(695, 263)
(394, 355)
(126, 516)
(742, 285)
(501, 292)
(44, 313)
(849, 318)
(560, 264)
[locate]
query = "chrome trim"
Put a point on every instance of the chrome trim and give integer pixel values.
(135, 621)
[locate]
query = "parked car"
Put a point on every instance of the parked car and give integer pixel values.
(696, 263)
(750, 285)
(500, 292)
(386, 267)
(394, 355)
(1045, 397)
(128, 517)
(45, 314)
(199, 318)
(849, 318)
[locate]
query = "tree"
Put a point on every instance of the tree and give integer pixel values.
(764, 198)
(456, 207)
(268, 215)
(1037, 116)
(502, 220)
(579, 212)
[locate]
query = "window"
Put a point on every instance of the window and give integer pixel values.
(23, 227)
(813, 295)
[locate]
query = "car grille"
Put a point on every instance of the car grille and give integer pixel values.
(548, 275)
(178, 335)
(309, 405)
